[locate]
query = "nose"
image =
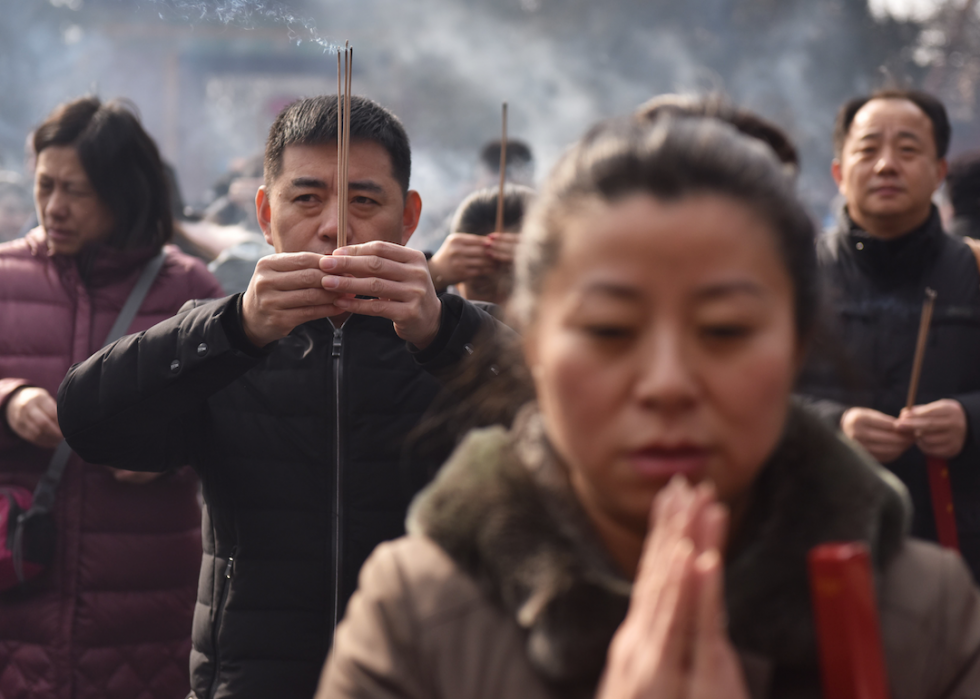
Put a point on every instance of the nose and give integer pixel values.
(667, 381)
(887, 161)
(329, 219)
(56, 205)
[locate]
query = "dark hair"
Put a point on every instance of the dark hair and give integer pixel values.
(931, 106)
(518, 155)
(963, 185)
(313, 122)
(122, 163)
(477, 214)
(717, 107)
(670, 159)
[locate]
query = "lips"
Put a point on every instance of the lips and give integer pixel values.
(665, 462)
(59, 235)
(888, 190)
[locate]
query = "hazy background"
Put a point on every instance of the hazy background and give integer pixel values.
(208, 77)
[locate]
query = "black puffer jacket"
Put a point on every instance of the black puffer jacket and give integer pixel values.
(286, 529)
(877, 288)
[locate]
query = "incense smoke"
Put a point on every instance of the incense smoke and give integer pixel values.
(209, 76)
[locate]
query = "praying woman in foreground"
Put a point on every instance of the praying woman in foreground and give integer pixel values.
(642, 528)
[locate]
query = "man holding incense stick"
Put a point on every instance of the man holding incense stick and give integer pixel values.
(293, 401)
(887, 249)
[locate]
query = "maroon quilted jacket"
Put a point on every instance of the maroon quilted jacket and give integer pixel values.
(111, 619)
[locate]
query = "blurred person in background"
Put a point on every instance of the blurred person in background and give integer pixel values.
(888, 247)
(111, 617)
(474, 257)
(962, 196)
(15, 206)
(642, 529)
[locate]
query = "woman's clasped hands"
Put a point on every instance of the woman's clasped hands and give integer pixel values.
(673, 643)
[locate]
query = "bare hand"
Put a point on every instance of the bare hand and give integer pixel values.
(877, 432)
(939, 428)
(286, 290)
(461, 256)
(503, 247)
(673, 644)
(397, 278)
(33, 416)
(135, 477)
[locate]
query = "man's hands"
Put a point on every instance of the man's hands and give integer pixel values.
(876, 432)
(285, 291)
(673, 643)
(938, 429)
(289, 289)
(463, 256)
(398, 279)
(32, 414)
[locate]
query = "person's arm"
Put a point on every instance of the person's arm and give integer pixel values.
(137, 403)
(462, 327)
(971, 407)
(374, 653)
(8, 387)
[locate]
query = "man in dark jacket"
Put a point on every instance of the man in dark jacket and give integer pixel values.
(887, 249)
(292, 401)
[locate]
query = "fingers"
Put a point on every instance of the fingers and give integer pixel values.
(502, 246)
(715, 668)
(289, 261)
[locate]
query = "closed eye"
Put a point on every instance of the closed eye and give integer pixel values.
(609, 332)
(726, 332)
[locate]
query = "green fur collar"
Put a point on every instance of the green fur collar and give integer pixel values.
(503, 511)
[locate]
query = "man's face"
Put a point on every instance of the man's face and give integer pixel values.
(298, 212)
(888, 169)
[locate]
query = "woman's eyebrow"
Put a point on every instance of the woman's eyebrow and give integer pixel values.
(721, 289)
(618, 290)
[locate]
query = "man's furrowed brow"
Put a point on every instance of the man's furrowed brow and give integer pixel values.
(308, 183)
(369, 186)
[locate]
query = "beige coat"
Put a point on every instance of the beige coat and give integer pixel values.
(501, 591)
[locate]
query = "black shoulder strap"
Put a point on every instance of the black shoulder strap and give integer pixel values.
(45, 491)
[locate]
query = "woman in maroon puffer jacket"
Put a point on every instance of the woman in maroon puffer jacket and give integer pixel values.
(111, 617)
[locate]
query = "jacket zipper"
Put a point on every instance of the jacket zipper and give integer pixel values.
(338, 337)
(219, 614)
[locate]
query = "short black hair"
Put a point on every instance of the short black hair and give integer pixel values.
(477, 214)
(963, 185)
(930, 105)
(717, 107)
(122, 163)
(313, 122)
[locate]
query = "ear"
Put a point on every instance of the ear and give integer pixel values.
(263, 212)
(835, 172)
(942, 169)
(411, 214)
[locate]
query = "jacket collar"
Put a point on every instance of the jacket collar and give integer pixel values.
(502, 509)
(896, 261)
(98, 265)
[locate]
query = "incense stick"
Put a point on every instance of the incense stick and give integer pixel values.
(503, 173)
(343, 138)
(920, 346)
